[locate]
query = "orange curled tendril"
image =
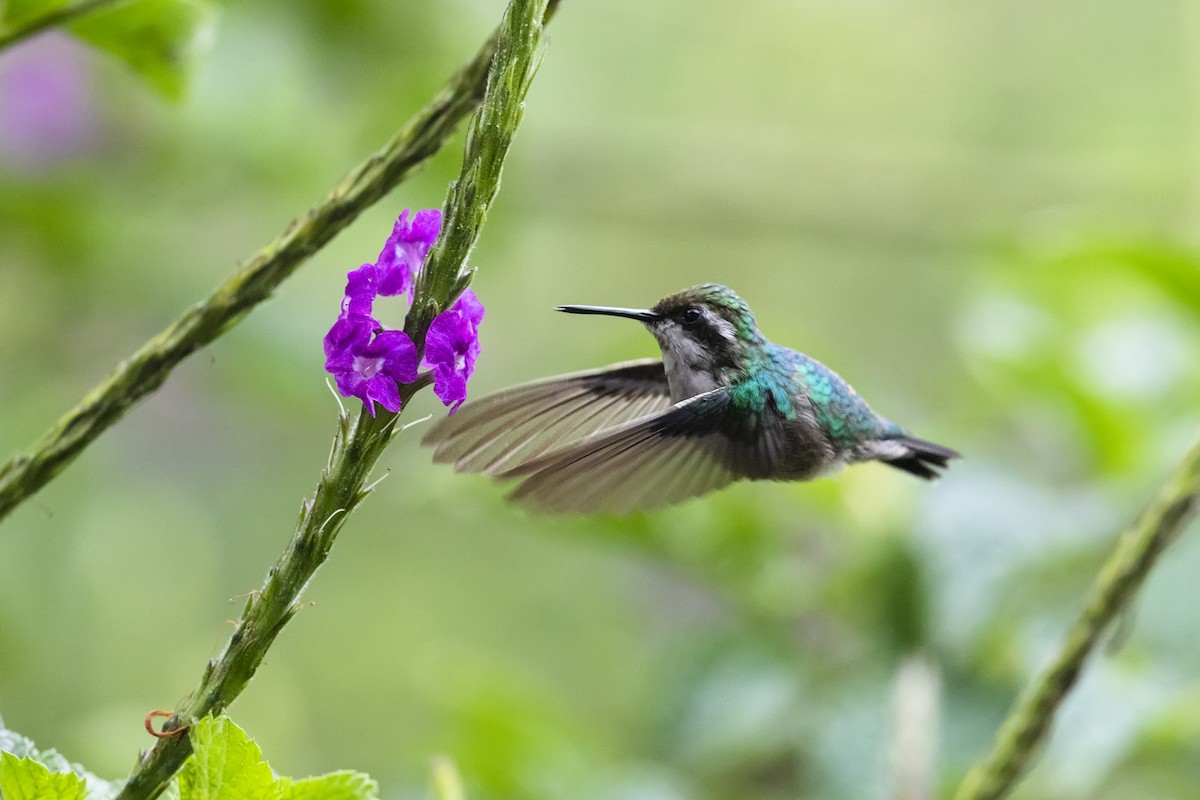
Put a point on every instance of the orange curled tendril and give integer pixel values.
(158, 712)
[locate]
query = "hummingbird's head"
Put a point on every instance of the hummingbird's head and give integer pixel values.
(703, 331)
(710, 314)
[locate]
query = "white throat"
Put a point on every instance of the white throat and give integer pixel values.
(688, 367)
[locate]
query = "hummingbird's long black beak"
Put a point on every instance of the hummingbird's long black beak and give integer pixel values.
(640, 314)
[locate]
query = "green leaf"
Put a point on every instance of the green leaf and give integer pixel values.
(342, 785)
(20, 747)
(225, 765)
(15, 12)
(159, 39)
(26, 779)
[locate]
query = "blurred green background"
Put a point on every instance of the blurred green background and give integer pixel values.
(985, 216)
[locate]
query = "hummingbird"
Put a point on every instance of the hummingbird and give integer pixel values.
(723, 404)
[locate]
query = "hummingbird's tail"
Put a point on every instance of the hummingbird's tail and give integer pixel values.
(919, 457)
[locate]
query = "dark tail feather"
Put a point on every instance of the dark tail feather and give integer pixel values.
(923, 459)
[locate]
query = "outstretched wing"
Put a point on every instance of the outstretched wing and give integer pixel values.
(511, 426)
(692, 448)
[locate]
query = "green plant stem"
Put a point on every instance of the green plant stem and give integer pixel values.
(358, 445)
(52, 19)
(144, 371)
(1138, 549)
(356, 448)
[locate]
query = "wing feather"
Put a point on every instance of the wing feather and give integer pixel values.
(526, 421)
(643, 463)
(505, 444)
(610, 440)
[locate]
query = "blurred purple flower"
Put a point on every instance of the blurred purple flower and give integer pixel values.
(452, 346)
(46, 113)
(405, 251)
(368, 362)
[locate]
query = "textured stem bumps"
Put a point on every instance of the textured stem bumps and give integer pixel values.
(357, 445)
(1112, 591)
(144, 371)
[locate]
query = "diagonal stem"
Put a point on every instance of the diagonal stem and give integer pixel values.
(358, 445)
(144, 371)
(1021, 735)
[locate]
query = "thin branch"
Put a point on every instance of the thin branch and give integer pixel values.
(55, 18)
(1028, 723)
(358, 445)
(144, 371)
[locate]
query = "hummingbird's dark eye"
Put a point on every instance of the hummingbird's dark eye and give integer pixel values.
(690, 316)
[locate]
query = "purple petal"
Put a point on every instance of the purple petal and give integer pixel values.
(469, 307)
(339, 362)
(399, 355)
(405, 250)
(439, 343)
(369, 363)
(452, 347)
(450, 387)
(351, 384)
(384, 390)
(426, 225)
(361, 288)
(469, 357)
(349, 332)
(395, 275)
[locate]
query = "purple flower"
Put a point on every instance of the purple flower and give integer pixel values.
(46, 109)
(405, 250)
(451, 347)
(368, 362)
(360, 290)
(349, 329)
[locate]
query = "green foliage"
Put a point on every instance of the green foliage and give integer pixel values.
(32, 774)
(158, 39)
(742, 645)
(227, 765)
(342, 785)
(1102, 332)
(358, 444)
(26, 779)
(15, 13)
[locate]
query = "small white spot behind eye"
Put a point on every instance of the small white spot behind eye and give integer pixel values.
(724, 328)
